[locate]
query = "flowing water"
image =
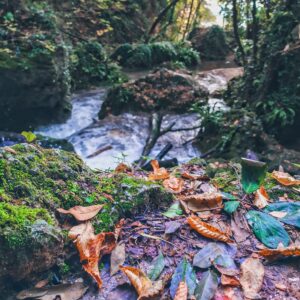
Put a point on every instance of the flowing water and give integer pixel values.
(124, 136)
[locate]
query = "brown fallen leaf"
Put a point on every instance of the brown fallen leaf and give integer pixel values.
(281, 286)
(182, 291)
(278, 214)
(145, 288)
(10, 150)
(174, 185)
(82, 213)
(122, 168)
(280, 252)
(285, 178)
(252, 276)
(262, 198)
(229, 280)
(202, 202)
(158, 173)
(117, 258)
(92, 247)
(207, 230)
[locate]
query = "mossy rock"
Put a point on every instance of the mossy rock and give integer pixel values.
(163, 90)
(34, 182)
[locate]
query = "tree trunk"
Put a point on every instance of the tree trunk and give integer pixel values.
(189, 20)
(254, 31)
(236, 30)
(159, 18)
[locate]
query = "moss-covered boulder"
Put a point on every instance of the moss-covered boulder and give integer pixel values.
(162, 90)
(34, 182)
(210, 42)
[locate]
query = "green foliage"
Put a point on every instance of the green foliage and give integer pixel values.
(267, 229)
(231, 206)
(90, 66)
(174, 211)
(29, 136)
(207, 286)
(291, 209)
(156, 267)
(253, 175)
(148, 55)
(213, 45)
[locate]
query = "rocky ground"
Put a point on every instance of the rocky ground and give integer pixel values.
(36, 251)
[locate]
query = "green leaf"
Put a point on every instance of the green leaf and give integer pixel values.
(267, 229)
(207, 286)
(29, 136)
(174, 211)
(291, 208)
(183, 272)
(227, 196)
(157, 266)
(231, 206)
(253, 174)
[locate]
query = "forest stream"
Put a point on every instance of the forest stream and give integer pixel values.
(123, 137)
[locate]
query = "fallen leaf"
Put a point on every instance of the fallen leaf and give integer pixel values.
(208, 230)
(239, 226)
(158, 173)
(156, 267)
(231, 206)
(172, 227)
(122, 168)
(253, 174)
(174, 211)
(252, 276)
(281, 286)
(202, 202)
(262, 198)
(63, 291)
(285, 178)
(182, 291)
(42, 283)
(225, 265)
(267, 229)
(207, 286)
(280, 252)
(205, 257)
(92, 247)
(145, 288)
(82, 213)
(288, 212)
(173, 184)
(10, 150)
(117, 258)
(278, 214)
(184, 272)
(191, 176)
(29, 136)
(229, 280)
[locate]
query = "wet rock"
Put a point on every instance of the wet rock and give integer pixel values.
(163, 90)
(33, 89)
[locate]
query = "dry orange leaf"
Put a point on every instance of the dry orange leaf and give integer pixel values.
(202, 202)
(158, 173)
(207, 230)
(229, 280)
(173, 184)
(274, 253)
(145, 288)
(92, 247)
(262, 198)
(122, 168)
(285, 178)
(182, 291)
(82, 213)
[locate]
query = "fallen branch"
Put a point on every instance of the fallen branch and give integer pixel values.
(99, 151)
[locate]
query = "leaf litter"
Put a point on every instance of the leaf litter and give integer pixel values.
(220, 251)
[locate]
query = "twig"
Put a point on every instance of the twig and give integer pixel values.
(185, 129)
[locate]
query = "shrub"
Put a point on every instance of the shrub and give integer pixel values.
(163, 52)
(141, 57)
(147, 55)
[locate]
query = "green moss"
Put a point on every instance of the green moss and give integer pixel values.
(15, 221)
